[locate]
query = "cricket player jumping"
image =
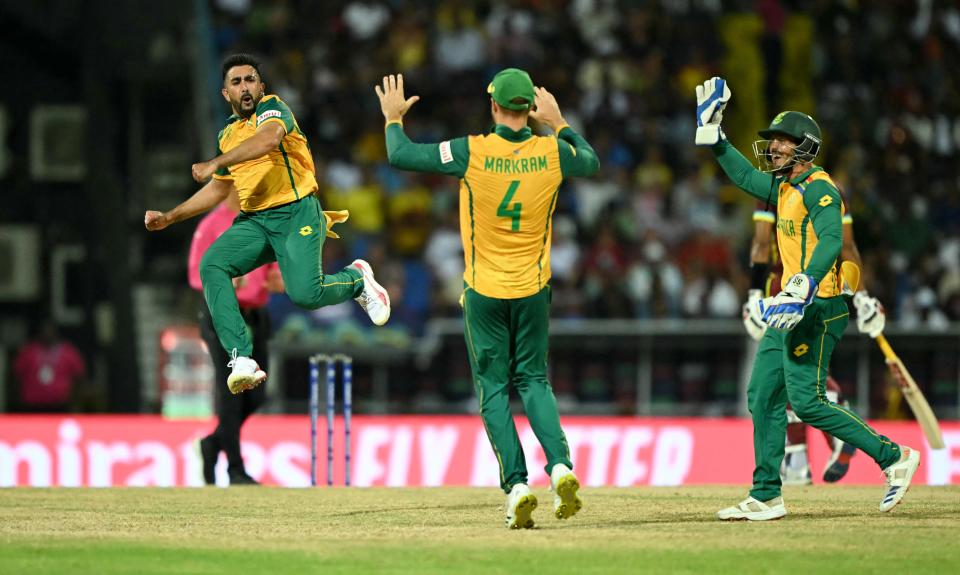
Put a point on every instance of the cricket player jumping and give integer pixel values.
(808, 316)
(509, 181)
(265, 157)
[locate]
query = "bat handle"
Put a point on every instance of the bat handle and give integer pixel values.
(885, 348)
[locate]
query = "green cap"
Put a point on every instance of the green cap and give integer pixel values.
(797, 125)
(510, 84)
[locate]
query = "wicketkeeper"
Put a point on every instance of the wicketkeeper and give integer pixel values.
(808, 316)
(766, 276)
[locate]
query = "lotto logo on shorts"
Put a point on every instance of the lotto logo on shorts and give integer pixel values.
(801, 349)
(306, 231)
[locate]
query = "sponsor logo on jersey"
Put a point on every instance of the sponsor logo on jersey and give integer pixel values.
(801, 349)
(268, 114)
(446, 154)
(826, 200)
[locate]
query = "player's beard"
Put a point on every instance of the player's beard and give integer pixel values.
(246, 106)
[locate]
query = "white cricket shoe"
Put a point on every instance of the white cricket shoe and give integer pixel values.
(752, 510)
(374, 300)
(520, 505)
(898, 477)
(246, 374)
(565, 485)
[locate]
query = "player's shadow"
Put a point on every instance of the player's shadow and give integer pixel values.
(387, 510)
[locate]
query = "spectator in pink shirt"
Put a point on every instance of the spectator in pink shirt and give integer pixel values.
(253, 292)
(49, 370)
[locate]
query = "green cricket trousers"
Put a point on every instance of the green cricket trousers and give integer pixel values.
(293, 236)
(507, 341)
(792, 366)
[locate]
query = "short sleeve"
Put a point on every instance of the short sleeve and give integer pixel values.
(273, 109)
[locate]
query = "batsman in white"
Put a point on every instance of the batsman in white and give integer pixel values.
(808, 316)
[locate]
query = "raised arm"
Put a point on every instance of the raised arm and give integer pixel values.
(449, 157)
(577, 157)
(712, 98)
(206, 198)
(741, 172)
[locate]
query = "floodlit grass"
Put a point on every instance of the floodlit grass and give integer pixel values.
(830, 529)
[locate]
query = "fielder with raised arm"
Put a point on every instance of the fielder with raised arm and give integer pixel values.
(766, 275)
(265, 158)
(808, 316)
(509, 181)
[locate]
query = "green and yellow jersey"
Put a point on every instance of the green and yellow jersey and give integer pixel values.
(281, 176)
(775, 277)
(809, 218)
(508, 191)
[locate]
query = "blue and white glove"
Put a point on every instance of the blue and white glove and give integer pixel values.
(785, 310)
(752, 319)
(712, 98)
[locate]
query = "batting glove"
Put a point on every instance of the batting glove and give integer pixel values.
(785, 310)
(871, 318)
(712, 98)
(752, 319)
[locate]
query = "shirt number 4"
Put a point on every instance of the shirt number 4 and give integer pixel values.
(504, 211)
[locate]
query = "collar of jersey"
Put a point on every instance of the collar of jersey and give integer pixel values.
(511, 136)
(235, 117)
(805, 175)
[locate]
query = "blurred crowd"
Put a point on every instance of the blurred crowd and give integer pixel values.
(660, 233)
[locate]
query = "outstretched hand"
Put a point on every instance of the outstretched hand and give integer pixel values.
(392, 103)
(546, 110)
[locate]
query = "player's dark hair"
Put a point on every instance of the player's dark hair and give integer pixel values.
(240, 60)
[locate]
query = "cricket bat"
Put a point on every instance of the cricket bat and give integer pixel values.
(918, 403)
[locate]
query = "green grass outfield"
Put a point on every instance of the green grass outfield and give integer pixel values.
(830, 529)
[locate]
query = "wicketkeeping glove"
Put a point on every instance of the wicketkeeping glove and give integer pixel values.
(751, 315)
(871, 318)
(712, 98)
(785, 310)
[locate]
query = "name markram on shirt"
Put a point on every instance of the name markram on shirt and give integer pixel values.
(501, 165)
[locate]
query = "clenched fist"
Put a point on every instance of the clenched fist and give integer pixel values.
(155, 221)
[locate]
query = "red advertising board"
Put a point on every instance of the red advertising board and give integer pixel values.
(102, 451)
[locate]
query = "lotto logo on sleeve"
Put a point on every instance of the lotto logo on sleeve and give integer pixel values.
(268, 114)
(446, 154)
(826, 200)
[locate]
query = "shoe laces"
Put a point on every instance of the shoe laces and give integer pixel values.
(233, 358)
(363, 300)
